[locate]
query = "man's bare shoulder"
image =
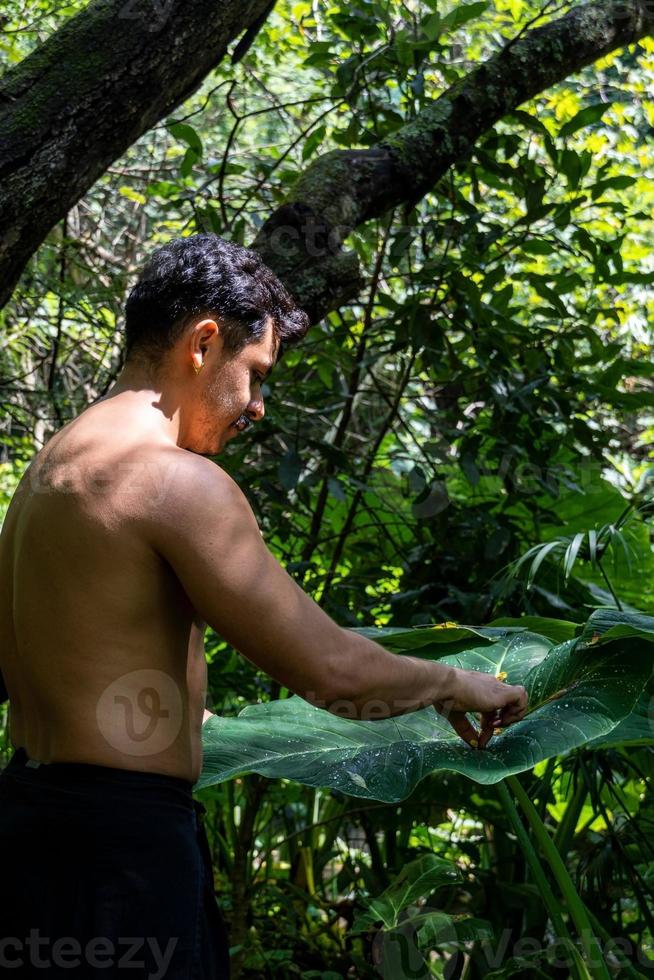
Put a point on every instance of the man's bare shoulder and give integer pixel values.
(191, 492)
(191, 475)
(137, 480)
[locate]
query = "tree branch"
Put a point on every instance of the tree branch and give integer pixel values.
(302, 241)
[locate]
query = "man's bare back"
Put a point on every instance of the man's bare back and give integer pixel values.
(100, 648)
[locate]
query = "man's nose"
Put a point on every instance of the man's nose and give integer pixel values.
(256, 410)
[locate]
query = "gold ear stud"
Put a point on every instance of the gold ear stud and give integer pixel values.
(198, 369)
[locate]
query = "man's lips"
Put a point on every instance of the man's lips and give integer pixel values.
(242, 423)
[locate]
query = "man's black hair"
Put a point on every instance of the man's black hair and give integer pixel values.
(204, 274)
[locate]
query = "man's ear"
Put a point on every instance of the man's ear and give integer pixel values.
(205, 336)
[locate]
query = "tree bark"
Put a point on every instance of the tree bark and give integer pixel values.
(81, 99)
(302, 241)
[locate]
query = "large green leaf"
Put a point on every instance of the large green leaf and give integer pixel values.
(558, 630)
(608, 624)
(604, 626)
(578, 690)
(634, 730)
(436, 641)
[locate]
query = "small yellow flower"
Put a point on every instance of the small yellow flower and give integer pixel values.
(502, 675)
(446, 626)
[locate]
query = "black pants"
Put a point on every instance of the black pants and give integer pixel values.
(105, 873)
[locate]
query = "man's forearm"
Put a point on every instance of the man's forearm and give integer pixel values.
(378, 684)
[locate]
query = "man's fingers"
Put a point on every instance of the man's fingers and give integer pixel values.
(515, 700)
(521, 699)
(485, 735)
(490, 720)
(463, 727)
(515, 710)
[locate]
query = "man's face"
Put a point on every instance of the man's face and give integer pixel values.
(229, 392)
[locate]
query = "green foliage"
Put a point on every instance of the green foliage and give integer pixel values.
(489, 397)
(418, 879)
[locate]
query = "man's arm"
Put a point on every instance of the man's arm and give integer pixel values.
(206, 531)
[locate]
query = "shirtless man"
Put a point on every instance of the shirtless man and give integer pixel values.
(121, 543)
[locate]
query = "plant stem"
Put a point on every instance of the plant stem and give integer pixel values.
(551, 903)
(576, 908)
(544, 785)
(610, 587)
(566, 829)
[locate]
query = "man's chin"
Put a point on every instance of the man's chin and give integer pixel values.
(218, 443)
(211, 449)
(224, 438)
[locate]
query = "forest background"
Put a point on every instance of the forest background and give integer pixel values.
(464, 436)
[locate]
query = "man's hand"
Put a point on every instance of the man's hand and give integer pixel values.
(497, 704)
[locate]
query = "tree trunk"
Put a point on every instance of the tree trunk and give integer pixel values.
(82, 98)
